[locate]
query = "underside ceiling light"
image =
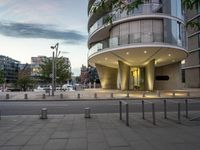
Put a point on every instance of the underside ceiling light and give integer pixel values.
(127, 53)
(106, 58)
(169, 55)
(145, 52)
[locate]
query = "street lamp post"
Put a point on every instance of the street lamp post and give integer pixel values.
(54, 67)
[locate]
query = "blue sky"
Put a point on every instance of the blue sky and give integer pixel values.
(29, 27)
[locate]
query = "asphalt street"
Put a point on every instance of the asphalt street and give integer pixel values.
(77, 107)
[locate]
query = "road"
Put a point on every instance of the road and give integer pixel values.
(77, 107)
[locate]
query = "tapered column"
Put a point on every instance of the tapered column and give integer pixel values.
(150, 75)
(107, 76)
(124, 73)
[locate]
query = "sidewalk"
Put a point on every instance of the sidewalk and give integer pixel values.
(101, 94)
(101, 132)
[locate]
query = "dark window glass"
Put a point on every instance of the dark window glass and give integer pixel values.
(162, 77)
(183, 76)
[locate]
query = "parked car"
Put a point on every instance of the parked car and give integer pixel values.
(41, 88)
(67, 87)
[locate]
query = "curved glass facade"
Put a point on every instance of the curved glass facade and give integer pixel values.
(144, 32)
(170, 7)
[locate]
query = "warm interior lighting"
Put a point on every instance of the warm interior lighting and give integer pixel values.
(183, 62)
(169, 55)
(127, 53)
(145, 52)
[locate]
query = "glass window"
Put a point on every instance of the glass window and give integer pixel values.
(146, 31)
(157, 30)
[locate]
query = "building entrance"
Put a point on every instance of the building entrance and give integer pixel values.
(137, 78)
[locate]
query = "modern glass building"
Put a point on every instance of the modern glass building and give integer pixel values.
(10, 68)
(141, 49)
(191, 66)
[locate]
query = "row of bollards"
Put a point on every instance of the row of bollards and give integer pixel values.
(153, 112)
(126, 109)
(178, 104)
(43, 114)
(95, 95)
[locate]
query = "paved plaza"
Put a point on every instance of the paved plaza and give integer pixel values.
(100, 132)
(88, 94)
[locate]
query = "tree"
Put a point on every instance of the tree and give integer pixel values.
(63, 70)
(1, 77)
(24, 83)
(190, 5)
(121, 5)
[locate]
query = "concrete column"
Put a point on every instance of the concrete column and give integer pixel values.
(124, 71)
(107, 76)
(150, 75)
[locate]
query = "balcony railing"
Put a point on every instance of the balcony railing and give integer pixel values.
(136, 38)
(147, 8)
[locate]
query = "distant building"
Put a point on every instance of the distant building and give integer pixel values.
(24, 70)
(35, 66)
(89, 75)
(10, 68)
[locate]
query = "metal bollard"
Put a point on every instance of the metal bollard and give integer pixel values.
(61, 96)
(143, 94)
(95, 95)
(188, 94)
(127, 95)
(127, 115)
(153, 114)
(179, 113)
(25, 96)
(143, 109)
(173, 94)
(7, 96)
(78, 96)
(165, 109)
(43, 96)
(111, 95)
(186, 108)
(120, 110)
(158, 93)
(43, 113)
(87, 112)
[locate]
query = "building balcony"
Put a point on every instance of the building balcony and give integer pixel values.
(140, 47)
(142, 10)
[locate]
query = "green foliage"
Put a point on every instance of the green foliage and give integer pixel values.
(1, 77)
(114, 5)
(24, 83)
(190, 5)
(63, 70)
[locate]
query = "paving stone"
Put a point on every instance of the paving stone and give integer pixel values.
(97, 146)
(38, 140)
(55, 144)
(121, 148)
(60, 134)
(77, 144)
(10, 148)
(78, 134)
(18, 140)
(95, 137)
(116, 141)
(33, 147)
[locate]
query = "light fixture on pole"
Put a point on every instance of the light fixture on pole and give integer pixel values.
(54, 67)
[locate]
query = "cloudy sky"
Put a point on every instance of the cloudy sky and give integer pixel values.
(30, 27)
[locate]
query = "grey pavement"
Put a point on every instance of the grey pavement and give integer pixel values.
(89, 94)
(101, 132)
